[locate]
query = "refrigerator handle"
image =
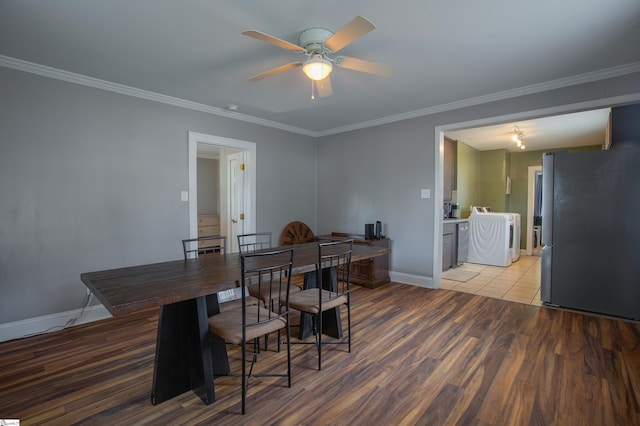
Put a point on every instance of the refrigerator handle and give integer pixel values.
(547, 198)
(545, 274)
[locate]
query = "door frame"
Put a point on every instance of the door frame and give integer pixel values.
(249, 149)
(531, 193)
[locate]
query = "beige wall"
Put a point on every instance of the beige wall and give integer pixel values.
(466, 178)
(492, 175)
(481, 177)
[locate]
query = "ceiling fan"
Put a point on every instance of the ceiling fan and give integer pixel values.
(320, 45)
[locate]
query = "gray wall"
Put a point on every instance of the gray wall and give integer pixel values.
(91, 180)
(208, 183)
(377, 174)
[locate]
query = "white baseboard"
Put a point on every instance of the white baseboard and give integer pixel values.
(51, 323)
(411, 279)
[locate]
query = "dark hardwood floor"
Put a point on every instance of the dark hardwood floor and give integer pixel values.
(420, 356)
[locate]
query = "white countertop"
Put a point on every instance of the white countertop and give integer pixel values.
(454, 220)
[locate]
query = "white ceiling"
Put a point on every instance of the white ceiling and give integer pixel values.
(561, 131)
(444, 52)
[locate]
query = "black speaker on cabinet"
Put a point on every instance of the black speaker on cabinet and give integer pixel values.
(369, 232)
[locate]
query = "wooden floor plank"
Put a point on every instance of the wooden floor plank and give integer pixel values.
(419, 356)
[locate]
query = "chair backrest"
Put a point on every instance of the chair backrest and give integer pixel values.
(204, 245)
(334, 257)
(257, 241)
(269, 271)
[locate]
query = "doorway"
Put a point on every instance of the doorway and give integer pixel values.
(438, 178)
(237, 180)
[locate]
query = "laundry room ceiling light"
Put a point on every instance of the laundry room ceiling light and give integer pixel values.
(518, 137)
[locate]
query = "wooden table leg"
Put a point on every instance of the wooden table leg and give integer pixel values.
(185, 352)
(331, 321)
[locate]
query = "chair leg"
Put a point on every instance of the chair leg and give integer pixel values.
(244, 373)
(288, 350)
(319, 341)
(256, 344)
(266, 336)
(279, 341)
(349, 320)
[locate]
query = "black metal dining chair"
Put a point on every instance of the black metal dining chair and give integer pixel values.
(194, 247)
(333, 272)
(249, 243)
(270, 270)
(216, 246)
(254, 242)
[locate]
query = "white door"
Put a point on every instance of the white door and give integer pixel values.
(235, 169)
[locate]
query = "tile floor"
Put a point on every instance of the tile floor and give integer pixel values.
(519, 282)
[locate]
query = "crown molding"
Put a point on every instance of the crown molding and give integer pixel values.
(58, 74)
(498, 96)
(55, 73)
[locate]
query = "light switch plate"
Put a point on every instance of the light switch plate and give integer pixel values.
(184, 195)
(425, 193)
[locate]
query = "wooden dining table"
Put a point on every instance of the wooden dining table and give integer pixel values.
(188, 357)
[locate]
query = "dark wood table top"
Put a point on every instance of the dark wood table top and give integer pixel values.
(135, 288)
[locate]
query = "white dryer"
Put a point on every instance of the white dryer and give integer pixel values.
(515, 235)
(490, 238)
(515, 255)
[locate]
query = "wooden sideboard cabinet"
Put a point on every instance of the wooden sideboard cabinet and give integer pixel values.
(372, 272)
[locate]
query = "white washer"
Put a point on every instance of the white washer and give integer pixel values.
(490, 237)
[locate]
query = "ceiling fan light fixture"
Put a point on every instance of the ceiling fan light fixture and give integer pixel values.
(317, 68)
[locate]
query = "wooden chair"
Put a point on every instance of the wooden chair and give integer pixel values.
(270, 270)
(208, 246)
(333, 280)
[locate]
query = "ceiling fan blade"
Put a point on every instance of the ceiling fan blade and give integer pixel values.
(274, 71)
(370, 67)
(355, 29)
(273, 40)
(324, 87)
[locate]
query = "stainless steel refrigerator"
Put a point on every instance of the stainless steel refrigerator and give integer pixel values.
(591, 230)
